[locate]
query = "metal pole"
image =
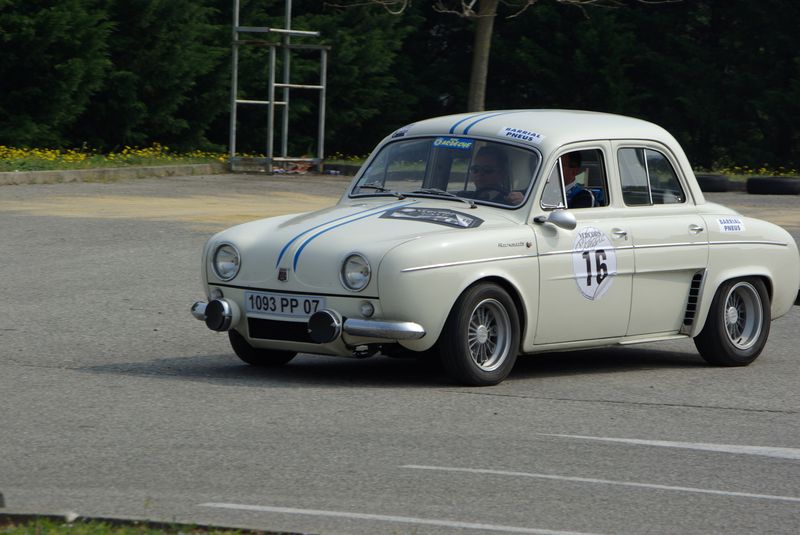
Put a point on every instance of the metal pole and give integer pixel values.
(323, 75)
(234, 81)
(271, 107)
(286, 59)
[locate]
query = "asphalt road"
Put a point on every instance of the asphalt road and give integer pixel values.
(115, 402)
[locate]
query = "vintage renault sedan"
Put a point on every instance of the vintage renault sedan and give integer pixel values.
(479, 237)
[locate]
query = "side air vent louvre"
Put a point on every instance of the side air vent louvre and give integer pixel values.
(691, 303)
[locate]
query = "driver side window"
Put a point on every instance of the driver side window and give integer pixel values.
(578, 180)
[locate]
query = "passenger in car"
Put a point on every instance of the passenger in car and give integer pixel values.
(490, 174)
(577, 195)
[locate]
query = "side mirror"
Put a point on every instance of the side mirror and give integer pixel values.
(560, 218)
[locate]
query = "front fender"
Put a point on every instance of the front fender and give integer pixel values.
(420, 281)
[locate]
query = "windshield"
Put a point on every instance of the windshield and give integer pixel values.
(451, 167)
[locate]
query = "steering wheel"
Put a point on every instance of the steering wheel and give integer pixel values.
(490, 193)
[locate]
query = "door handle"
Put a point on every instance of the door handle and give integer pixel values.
(619, 233)
(695, 229)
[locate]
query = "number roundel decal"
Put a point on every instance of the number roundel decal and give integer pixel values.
(594, 262)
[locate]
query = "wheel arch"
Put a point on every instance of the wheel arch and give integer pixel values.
(709, 291)
(512, 291)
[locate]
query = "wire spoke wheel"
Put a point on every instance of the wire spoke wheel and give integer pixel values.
(743, 318)
(480, 341)
(488, 334)
(738, 323)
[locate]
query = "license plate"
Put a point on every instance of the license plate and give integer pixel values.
(293, 305)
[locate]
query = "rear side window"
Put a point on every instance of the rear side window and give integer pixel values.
(648, 178)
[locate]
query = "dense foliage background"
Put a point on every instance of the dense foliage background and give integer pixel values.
(722, 75)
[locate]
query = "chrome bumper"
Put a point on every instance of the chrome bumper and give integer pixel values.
(323, 327)
(391, 330)
(199, 310)
(327, 325)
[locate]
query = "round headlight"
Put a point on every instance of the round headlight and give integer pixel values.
(355, 272)
(226, 261)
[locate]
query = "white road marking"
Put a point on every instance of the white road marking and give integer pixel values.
(781, 453)
(605, 482)
(390, 518)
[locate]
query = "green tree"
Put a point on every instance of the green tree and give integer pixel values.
(53, 59)
(723, 78)
(363, 77)
(483, 13)
(160, 50)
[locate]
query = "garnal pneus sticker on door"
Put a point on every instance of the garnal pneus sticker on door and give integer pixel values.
(594, 262)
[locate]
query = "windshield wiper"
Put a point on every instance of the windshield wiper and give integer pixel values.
(443, 193)
(381, 189)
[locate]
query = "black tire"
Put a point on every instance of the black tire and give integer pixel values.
(773, 185)
(713, 183)
(255, 356)
(738, 323)
(480, 340)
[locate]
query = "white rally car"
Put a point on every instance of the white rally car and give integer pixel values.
(475, 238)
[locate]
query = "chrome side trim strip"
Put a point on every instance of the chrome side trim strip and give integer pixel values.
(680, 244)
(467, 262)
(570, 251)
(749, 242)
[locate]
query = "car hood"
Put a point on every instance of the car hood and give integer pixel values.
(307, 250)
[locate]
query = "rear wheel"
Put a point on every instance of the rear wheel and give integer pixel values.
(256, 356)
(480, 340)
(738, 323)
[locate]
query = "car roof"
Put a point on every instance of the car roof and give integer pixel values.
(546, 129)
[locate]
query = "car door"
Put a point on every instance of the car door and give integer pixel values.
(669, 237)
(586, 272)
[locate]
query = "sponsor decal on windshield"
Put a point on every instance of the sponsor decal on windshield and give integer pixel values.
(439, 216)
(453, 143)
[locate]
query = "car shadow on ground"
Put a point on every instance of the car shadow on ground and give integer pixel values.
(383, 372)
(603, 361)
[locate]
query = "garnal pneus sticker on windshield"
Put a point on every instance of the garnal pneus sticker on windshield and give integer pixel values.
(594, 262)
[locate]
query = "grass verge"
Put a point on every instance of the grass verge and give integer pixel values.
(56, 525)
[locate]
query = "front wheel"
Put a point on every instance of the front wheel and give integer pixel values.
(738, 323)
(256, 356)
(480, 339)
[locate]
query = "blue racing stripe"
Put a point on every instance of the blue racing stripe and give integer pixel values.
(466, 130)
(453, 128)
(309, 240)
(285, 247)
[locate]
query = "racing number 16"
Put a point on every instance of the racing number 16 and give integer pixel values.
(602, 269)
